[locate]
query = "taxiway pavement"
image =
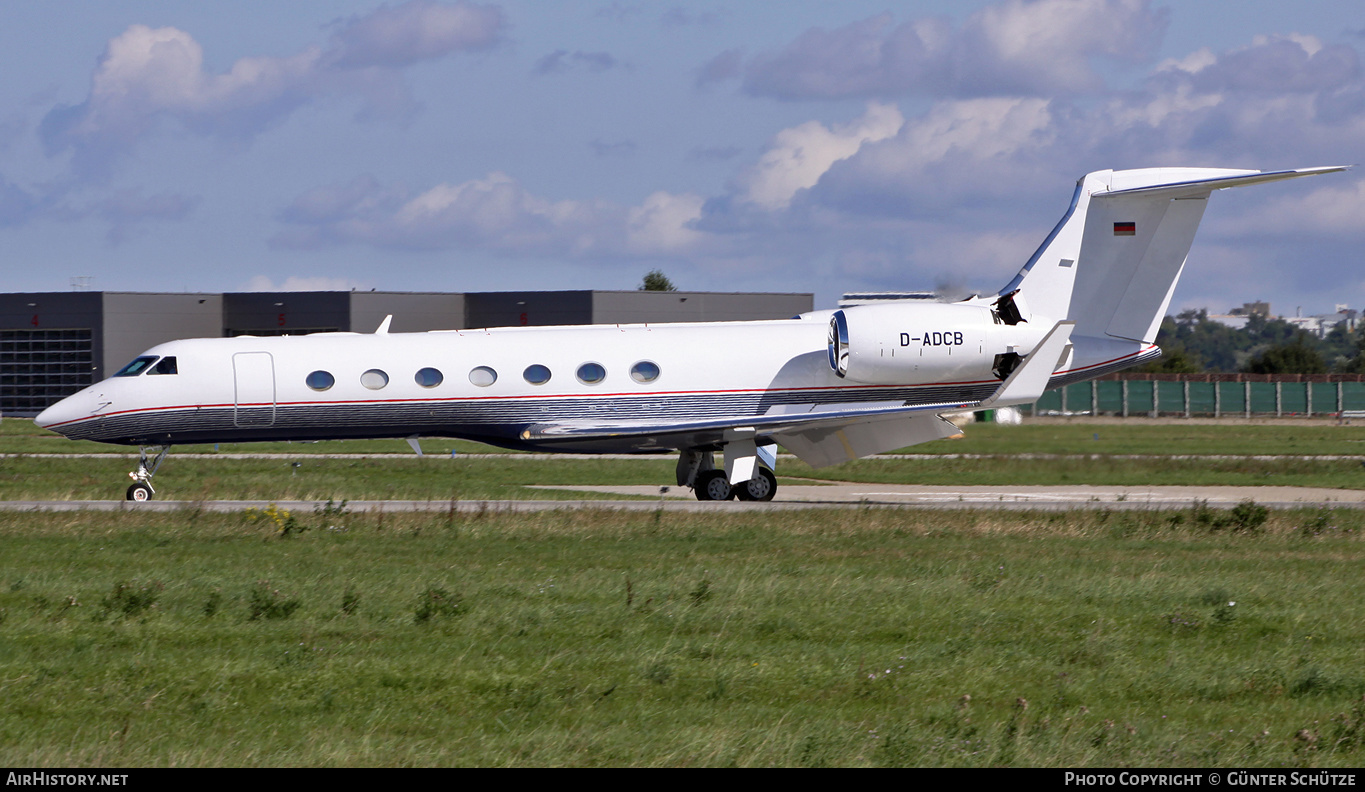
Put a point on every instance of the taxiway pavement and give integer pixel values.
(800, 496)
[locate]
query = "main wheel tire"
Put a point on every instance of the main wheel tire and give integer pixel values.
(139, 492)
(712, 485)
(762, 487)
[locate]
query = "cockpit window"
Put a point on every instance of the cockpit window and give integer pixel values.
(166, 366)
(137, 366)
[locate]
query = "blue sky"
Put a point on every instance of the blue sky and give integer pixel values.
(766, 146)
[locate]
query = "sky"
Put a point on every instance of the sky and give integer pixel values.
(783, 145)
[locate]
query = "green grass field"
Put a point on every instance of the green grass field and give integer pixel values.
(1138, 436)
(600, 638)
(588, 638)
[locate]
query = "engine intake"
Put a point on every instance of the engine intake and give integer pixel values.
(838, 343)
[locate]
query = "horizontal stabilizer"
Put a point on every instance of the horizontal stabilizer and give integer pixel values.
(1113, 262)
(1027, 383)
(1198, 188)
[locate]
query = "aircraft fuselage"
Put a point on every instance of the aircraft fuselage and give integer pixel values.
(489, 385)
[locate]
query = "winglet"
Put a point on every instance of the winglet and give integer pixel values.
(1027, 383)
(383, 328)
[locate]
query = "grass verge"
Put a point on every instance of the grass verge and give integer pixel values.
(503, 478)
(593, 638)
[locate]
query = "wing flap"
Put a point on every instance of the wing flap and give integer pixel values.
(764, 425)
(833, 444)
(1028, 382)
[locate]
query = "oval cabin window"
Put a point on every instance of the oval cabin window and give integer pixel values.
(374, 379)
(320, 380)
(591, 373)
(483, 376)
(429, 377)
(644, 371)
(537, 374)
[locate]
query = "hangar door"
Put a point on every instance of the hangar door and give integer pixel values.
(254, 376)
(39, 368)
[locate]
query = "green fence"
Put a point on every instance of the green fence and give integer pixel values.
(1217, 399)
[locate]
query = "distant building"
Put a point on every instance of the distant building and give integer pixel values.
(1319, 325)
(1342, 315)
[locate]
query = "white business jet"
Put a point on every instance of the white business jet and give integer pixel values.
(830, 386)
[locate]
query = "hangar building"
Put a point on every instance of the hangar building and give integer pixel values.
(52, 344)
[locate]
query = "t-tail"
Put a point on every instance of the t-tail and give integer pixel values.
(1112, 263)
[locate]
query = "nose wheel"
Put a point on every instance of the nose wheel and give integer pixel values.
(141, 488)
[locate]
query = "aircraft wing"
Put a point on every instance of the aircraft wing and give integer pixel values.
(831, 433)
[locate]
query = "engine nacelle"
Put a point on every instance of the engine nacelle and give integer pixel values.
(925, 342)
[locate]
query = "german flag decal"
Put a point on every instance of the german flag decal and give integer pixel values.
(1125, 229)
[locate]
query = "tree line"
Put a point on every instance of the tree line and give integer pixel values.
(1191, 343)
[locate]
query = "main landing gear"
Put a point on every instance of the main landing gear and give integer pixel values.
(696, 469)
(141, 488)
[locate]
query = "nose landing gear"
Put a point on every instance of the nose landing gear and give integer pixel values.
(141, 488)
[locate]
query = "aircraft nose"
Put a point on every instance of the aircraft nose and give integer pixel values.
(61, 414)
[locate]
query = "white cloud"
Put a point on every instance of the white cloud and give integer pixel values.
(1311, 45)
(1048, 44)
(663, 224)
(977, 129)
(800, 156)
(149, 75)
(1337, 208)
(957, 194)
(1193, 63)
(146, 72)
(1039, 47)
(492, 213)
(416, 31)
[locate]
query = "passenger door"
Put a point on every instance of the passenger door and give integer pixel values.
(254, 394)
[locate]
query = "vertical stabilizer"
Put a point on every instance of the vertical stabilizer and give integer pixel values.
(1051, 271)
(1113, 262)
(1133, 252)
